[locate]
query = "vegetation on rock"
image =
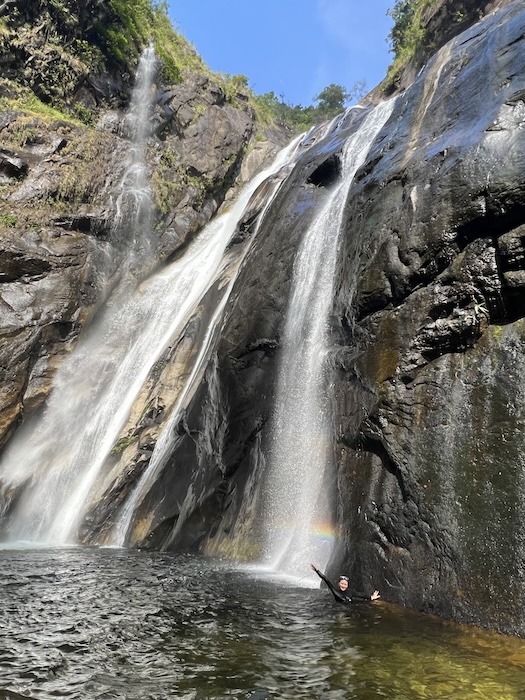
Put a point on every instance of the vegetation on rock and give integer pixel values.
(141, 22)
(423, 26)
(77, 55)
(330, 102)
(57, 48)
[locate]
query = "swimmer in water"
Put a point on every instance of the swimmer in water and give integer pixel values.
(341, 592)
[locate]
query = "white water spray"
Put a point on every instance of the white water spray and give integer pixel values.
(297, 511)
(134, 198)
(61, 457)
(226, 225)
(63, 449)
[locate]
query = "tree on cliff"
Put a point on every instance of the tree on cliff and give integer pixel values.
(330, 101)
(333, 98)
(403, 15)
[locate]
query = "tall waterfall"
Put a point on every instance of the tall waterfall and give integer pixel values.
(56, 461)
(297, 510)
(133, 199)
(57, 456)
(219, 231)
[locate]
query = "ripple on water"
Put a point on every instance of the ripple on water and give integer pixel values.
(108, 623)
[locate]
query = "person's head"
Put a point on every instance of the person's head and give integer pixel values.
(343, 582)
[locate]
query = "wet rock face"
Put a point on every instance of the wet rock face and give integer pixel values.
(430, 413)
(428, 348)
(218, 441)
(48, 264)
(440, 21)
(59, 242)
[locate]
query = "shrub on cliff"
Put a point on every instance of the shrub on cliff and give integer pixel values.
(402, 14)
(137, 23)
(330, 102)
(421, 27)
(407, 33)
(54, 48)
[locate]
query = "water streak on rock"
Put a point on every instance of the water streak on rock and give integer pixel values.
(61, 457)
(220, 230)
(297, 503)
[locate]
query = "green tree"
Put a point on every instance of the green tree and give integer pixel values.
(403, 15)
(332, 99)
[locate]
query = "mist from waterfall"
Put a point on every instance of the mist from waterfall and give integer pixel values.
(56, 460)
(57, 455)
(297, 511)
(121, 533)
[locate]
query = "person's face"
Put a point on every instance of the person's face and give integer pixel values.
(343, 584)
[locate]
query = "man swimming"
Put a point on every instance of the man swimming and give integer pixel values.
(341, 592)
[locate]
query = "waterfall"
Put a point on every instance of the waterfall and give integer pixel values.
(57, 456)
(56, 461)
(228, 223)
(133, 199)
(297, 510)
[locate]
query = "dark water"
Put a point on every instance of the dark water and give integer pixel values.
(91, 623)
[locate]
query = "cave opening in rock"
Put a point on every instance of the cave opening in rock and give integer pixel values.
(327, 173)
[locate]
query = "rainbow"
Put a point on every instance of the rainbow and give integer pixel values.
(320, 530)
(325, 531)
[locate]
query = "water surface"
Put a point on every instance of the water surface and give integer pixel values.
(107, 623)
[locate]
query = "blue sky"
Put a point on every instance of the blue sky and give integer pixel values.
(294, 48)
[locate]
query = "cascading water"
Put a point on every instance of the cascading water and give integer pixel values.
(297, 510)
(56, 461)
(58, 456)
(227, 224)
(133, 200)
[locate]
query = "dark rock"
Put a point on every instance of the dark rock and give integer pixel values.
(511, 249)
(11, 165)
(327, 173)
(428, 348)
(445, 272)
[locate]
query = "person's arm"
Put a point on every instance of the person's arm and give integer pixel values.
(328, 583)
(357, 595)
(337, 594)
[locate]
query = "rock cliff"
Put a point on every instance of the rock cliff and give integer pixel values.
(428, 341)
(427, 349)
(430, 438)
(60, 178)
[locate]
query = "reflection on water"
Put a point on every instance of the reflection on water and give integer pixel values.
(87, 623)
